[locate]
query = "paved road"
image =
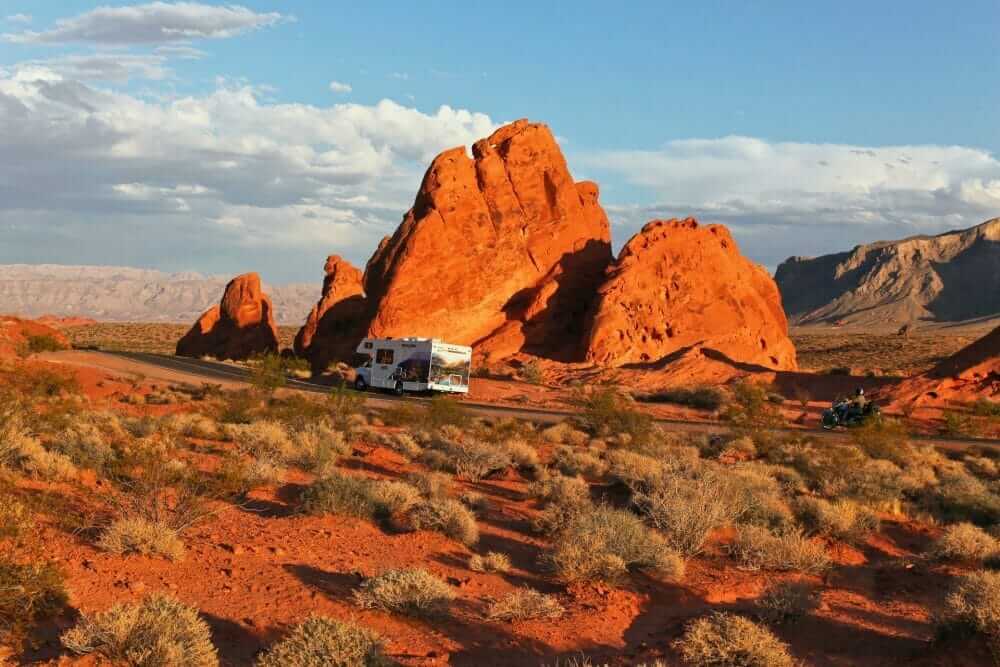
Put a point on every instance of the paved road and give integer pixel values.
(183, 369)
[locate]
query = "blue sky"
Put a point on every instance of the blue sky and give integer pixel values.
(807, 129)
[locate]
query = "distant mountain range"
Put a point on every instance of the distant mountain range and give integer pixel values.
(951, 277)
(124, 294)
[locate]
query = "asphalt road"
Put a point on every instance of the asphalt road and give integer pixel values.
(183, 369)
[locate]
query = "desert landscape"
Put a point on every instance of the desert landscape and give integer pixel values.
(679, 441)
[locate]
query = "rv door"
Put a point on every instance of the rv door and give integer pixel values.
(383, 367)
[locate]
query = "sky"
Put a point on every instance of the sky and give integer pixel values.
(225, 138)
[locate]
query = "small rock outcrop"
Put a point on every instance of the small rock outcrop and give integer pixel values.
(241, 326)
(968, 375)
(337, 321)
(678, 285)
(502, 250)
(16, 335)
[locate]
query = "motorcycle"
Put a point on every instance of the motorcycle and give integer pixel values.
(842, 413)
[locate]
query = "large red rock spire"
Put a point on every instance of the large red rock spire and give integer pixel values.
(241, 326)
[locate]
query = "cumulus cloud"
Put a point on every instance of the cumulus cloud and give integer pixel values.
(152, 23)
(89, 174)
(116, 67)
(339, 87)
(19, 18)
(181, 51)
(818, 197)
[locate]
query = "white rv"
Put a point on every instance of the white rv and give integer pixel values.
(413, 364)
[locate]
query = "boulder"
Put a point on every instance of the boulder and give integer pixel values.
(241, 326)
(678, 286)
(502, 250)
(337, 321)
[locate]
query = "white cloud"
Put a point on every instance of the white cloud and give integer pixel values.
(402, 76)
(107, 66)
(339, 87)
(152, 23)
(181, 51)
(824, 197)
(19, 18)
(90, 174)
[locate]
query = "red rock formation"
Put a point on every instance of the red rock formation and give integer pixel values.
(336, 322)
(16, 332)
(502, 250)
(971, 373)
(676, 286)
(241, 326)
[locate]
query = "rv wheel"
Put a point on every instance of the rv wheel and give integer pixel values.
(360, 384)
(398, 390)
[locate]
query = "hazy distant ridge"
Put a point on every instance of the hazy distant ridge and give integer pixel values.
(951, 277)
(121, 293)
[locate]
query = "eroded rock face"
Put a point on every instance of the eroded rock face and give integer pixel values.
(337, 321)
(502, 251)
(241, 326)
(678, 285)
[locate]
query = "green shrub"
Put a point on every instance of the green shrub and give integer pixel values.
(728, 640)
(605, 412)
(345, 405)
(700, 398)
(603, 543)
(757, 548)
(43, 343)
(750, 409)
(160, 631)
(268, 373)
(562, 498)
(532, 373)
(636, 471)
(317, 447)
(446, 516)
(984, 407)
(959, 496)
(787, 602)
(340, 494)
(414, 592)
(319, 642)
(141, 536)
(492, 562)
(572, 461)
(965, 542)
(524, 604)
(958, 425)
(29, 593)
(443, 411)
(238, 407)
(884, 439)
(15, 517)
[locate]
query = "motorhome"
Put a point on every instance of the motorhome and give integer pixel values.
(413, 364)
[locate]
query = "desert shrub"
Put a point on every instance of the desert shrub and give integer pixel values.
(959, 425)
(268, 373)
(319, 641)
(965, 542)
(237, 476)
(141, 536)
(493, 561)
(238, 407)
(572, 461)
(605, 411)
(562, 498)
(750, 409)
(23, 452)
(728, 640)
(636, 471)
(687, 510)
(35, 344)
(431, 484)
(973, 604)
(47, 382)
(392, 497)
(959, 496)
(446, 516)
(317, 447)
(474, 500)
(884, 439)
(15, 517)
(414, 592)
(603, 543)
(524, 604)
(982, 466)
(443, 411)
(700, 398)
(521, 453)
(84, 445)
(29, 593)
(787, 602)
(195, 425)
(842, 519)
(338, 493)
(468, 457)
(984, 407)
(738, 449)
(402, 443)
(563, 433)
(159, 631)
(757, 548)
(262, 439)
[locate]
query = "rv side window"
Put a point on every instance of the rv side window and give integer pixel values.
(383, 356)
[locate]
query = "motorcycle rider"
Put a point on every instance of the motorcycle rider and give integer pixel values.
(856, 405)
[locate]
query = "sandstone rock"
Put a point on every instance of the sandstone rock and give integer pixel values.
(16, 332)
(241, 326)
(970, 374)
(337, 321)
(676, 286)
(502, 250)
